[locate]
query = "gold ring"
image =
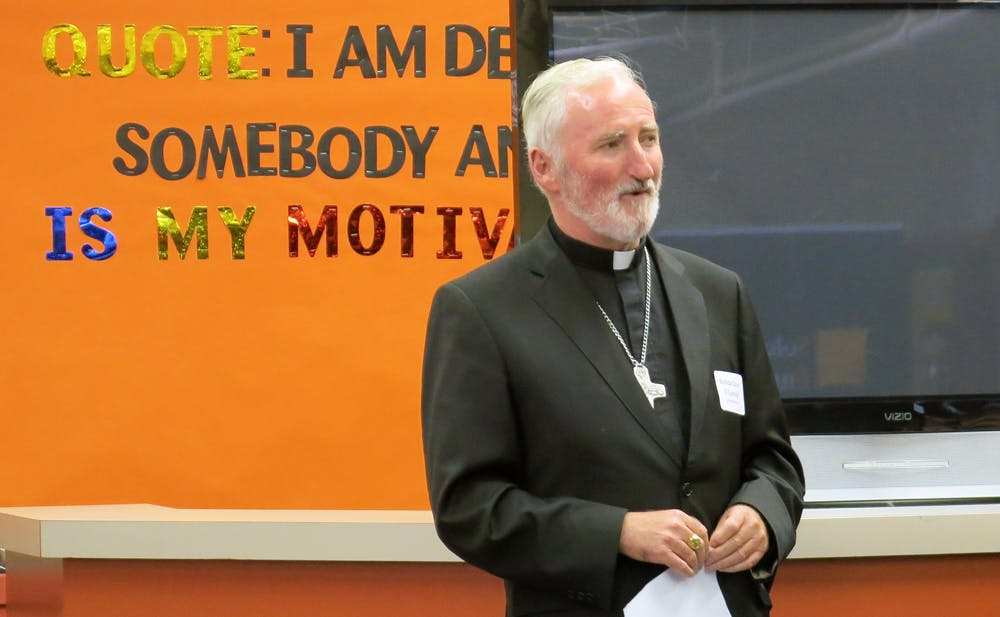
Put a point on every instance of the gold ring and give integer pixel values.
(695, 542)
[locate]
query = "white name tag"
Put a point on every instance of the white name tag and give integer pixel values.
(730, 387)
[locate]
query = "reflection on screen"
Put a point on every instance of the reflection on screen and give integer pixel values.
(846, 162)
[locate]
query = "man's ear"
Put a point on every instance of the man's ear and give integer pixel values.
(543, 170)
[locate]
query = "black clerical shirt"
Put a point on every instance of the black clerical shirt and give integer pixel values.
(622, 295)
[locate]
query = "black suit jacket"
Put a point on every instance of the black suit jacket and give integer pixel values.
(538, 440)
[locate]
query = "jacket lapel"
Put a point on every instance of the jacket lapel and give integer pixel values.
(564, 297)
(691, 319)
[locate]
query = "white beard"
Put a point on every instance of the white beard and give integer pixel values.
(610, 218)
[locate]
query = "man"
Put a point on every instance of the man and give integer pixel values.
(596, 406)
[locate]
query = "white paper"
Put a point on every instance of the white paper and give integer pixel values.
(730, 387)
(678, 596)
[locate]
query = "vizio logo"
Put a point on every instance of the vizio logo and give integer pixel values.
(897, 416)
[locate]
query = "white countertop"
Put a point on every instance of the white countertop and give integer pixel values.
(898, 531)
(142, 531)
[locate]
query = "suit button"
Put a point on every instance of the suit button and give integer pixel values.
(686, 489)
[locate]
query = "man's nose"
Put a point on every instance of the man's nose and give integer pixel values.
(641, 162)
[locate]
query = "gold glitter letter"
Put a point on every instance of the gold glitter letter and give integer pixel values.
(237, 229)
(205, 35)
(237, 51)
(166, 225)
(79, 51)
(177, 44)
(104, 51)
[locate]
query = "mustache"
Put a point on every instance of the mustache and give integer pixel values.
(639, 186)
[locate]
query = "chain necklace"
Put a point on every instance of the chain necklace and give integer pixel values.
(652, 390)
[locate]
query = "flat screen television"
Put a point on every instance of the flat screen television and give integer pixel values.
(845, 160)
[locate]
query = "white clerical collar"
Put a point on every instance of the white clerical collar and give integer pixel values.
(621, 260)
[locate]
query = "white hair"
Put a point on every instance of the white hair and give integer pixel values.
(543, 108)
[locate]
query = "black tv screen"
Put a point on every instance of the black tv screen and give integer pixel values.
(845, 160)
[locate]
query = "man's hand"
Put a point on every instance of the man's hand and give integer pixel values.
(738, 542)
(661, 537)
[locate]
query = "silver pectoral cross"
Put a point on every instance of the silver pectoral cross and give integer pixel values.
(652, 390)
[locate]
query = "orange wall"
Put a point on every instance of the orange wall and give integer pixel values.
(939, 586)
(267, 381)
(209, 589)
(900, 587)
